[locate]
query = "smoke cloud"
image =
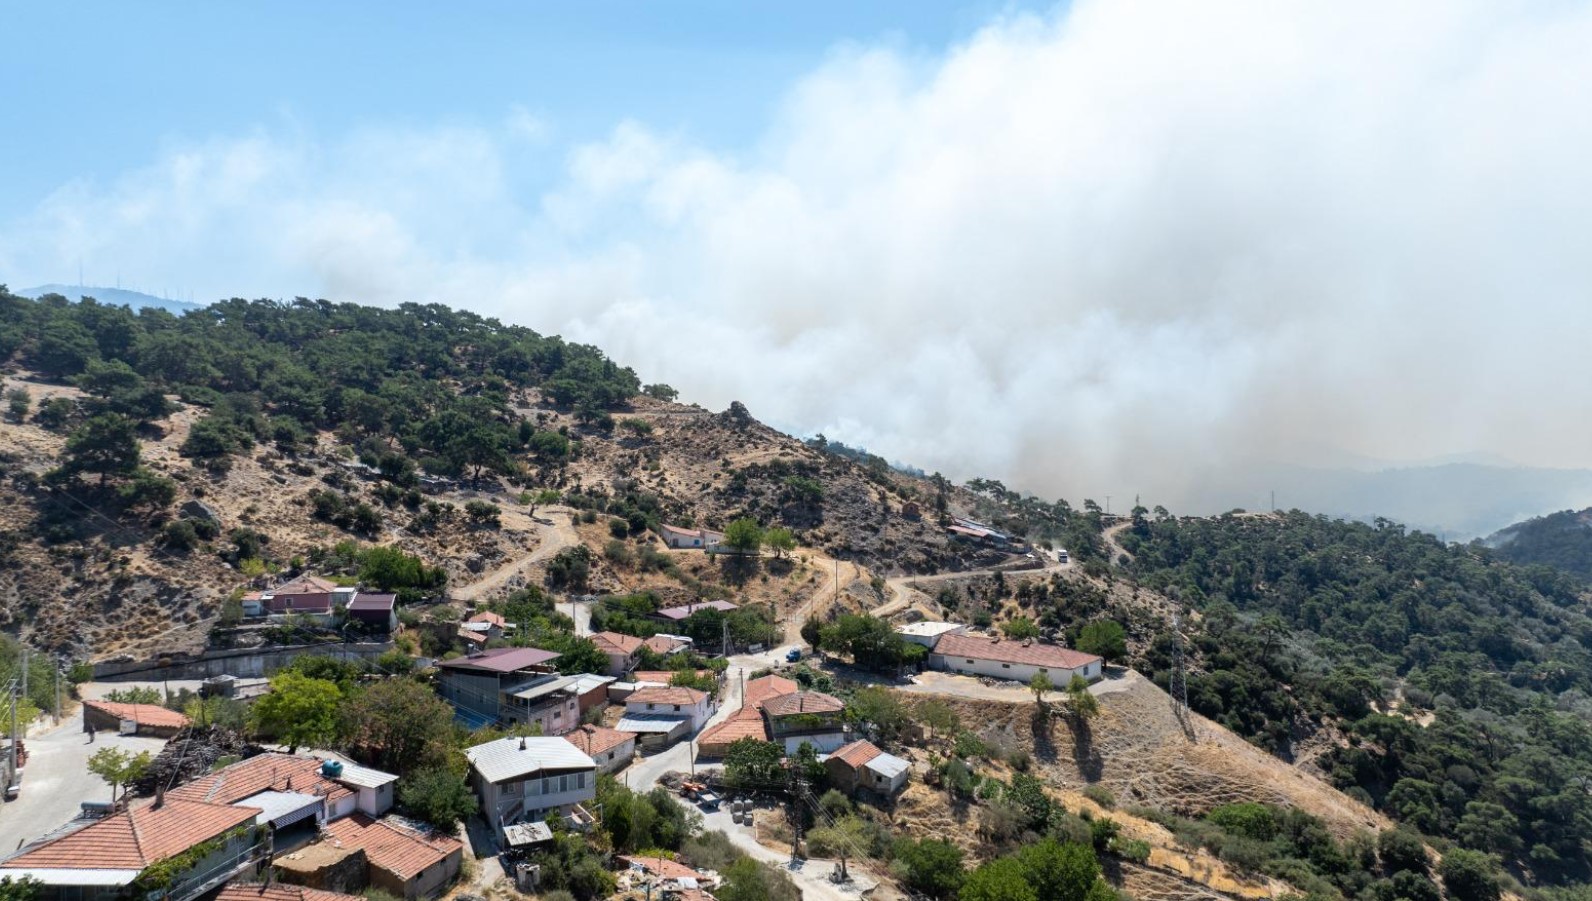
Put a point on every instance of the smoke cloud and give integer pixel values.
(1128, 248)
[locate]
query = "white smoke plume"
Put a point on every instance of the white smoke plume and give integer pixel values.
(1128, 247)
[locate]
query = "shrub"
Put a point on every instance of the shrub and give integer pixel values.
(618, 527)
(483, 513)
(1100, 795)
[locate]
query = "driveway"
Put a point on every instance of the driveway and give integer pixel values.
(934, 682)
(579, 611)
(56, 780)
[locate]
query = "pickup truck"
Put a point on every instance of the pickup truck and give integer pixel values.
(708, 800)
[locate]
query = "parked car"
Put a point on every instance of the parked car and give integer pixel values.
(793, 655)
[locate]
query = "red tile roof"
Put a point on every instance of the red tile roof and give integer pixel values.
(663, 644)
(396, 848)
(265, 772)
(1028, 653)
(501, 660)
(803, 702)
(668, 695)
(759, 690)
(594, 740)
(487, 616)
(615, 643)
(278, 891)
(306, 584)
(685, 610)
(661, 676)
(142, 714)
(132, 840)
(856, 754)
(477, 637)
(661, 866)
(745, 723)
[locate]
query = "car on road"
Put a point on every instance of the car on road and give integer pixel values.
(793, 655)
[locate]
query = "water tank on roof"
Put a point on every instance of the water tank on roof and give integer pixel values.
(332, 769)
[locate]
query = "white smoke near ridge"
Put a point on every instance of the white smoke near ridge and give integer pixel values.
(1131, 247)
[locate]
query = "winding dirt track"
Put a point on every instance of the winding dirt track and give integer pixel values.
(555, 529)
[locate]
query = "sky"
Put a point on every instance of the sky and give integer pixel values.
(1117, 247)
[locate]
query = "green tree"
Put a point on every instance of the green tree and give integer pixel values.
(879, 708)
(1084, 704)
(118, 767)
(753, 763)
(931, 867)
(397, 725)
(1020, 627)
(299, 710)
(17, 403)
(437, 796)
(1061, 872)
(1039, 685)
(1470, 875)
(938, 716)
(1104, 638)
(750, 880)
(779, 540)
(24, 889)
(744, 536)
(1002, 879)
(1401, 849)
(105, 445)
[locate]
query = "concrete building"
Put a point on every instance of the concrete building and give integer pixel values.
(682, 538)
(860, 765)
(674, 615)
(481, 687)
(526, 778)
(133, 719)
(693, 704)
(621, 651)
(806, 717)
(611, 749)
(344, 789)
(1018, 660)
(377, 612)
(591, 690)
(928, 633)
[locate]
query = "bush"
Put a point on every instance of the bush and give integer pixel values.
(618, 527)
(1100, 795)
(1470, 875)
(484, 514)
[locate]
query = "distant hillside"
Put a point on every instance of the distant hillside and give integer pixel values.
(120, 297)
(1562, 540)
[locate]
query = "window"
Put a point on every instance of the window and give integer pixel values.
(649, 706)
(1043, 670)
(563, 783)
(580, 780)
(558, 714)
(514, 789)
(970, 662)
(1006, 666)
(677, 708)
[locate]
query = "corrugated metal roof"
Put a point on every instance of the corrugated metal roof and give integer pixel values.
(668, 695)
(588, 682)
(72, 875)
(888, 765)
(685, 610)
(500, 660)
(505, 759)
(927, 628)
(544, 689)
(1029, 653)
(283, 808)
(652, 722)
(364, 776)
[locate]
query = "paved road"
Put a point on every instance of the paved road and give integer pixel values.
(579, 611)
(56, 780)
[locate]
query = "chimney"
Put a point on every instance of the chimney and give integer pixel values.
(160, 795)
(522, 742)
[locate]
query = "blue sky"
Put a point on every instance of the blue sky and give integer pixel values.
(92, 89)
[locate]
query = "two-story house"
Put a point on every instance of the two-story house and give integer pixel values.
(806, 717)
(621, 651)
(481, 686)
(525, 779)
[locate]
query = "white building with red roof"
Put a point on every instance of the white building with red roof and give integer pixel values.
(1005, 658)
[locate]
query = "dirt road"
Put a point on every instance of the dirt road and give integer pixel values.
(1115, 551)
(555, 528)
(904, 591)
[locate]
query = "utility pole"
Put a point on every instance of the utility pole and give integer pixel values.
(1108, 505)
(11, 779)
(725, 627)
(56, 696)
(26, 652)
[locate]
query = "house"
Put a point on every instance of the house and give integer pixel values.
(100, 859)
(861, 765)
(928, 633)
(316, 605)
(404, 859)
(682, 538)
(526, 778)
(611, 749)
(551, 702)
(621, 651)
(747, 722)
(133, 719)
(668, 644)
(480, 686)
(292, 817)
(343, 788)
(493, 625)
(806, 717)
(474, 634)
(677, 614)
(693, 704)
(277, 891)
(378, 612)
(591, 690)
(1011, 659)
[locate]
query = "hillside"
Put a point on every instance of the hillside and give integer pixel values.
(303, 426)
(1561, 540)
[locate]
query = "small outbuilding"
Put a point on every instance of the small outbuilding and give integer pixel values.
(133, 719)
(861, 766)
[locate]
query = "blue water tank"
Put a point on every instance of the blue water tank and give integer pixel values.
(331, 769)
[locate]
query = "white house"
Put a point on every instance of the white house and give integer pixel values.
(621, 651)
(520, 779)
(690, 703)
(610, 748)
(676, 537)
(1010, 659)
(928, 633)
